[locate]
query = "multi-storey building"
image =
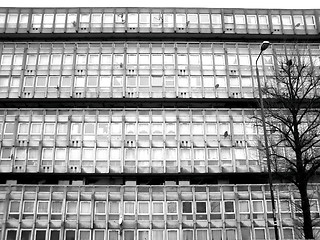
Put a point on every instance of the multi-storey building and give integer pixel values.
(137, 123)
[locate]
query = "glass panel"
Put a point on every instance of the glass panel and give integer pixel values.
(129, 235)
(40, 235)
(11, 234)
(84, 235)
(25, 234)
(187, 235)
(216, 234)
(70, 235)
(55, 235)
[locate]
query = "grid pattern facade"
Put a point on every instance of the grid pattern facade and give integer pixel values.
(138, 70)
(140, 124)
(161, 212)
(144, 20)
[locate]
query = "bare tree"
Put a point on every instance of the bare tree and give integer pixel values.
(292, 112)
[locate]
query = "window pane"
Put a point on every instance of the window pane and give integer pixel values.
(187, 207)
(55, 235)
(84, 235)
(40, 235)
(70, 235)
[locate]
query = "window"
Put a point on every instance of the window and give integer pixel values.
(244, 209)
(6, 60)
(96, 20)
(240, 20)
(172, 210)
(100, 210)
(244, 60)
(36, 128)
(129, 235)
(187, 210)
(114, 210)
(56, 210)
(17, 60)
(85, 235)
(47, 153)
(41, 81)
(84, 18)
(117, 81)
(199, 154)
(89, 128)
(231, 234)
(11, 234)
(85, 207)
(207, 61)
(216, 234)
(260, 233)
(310, 22)
(66, 82)
(298, 21)
(201, 210)
(288, 233)
(43, 207)
(60, 20)
(263, 21)
(143, 210)
(93, 59)
(49, 128)
(144, 59)
(76, 128)
(157, 234)
(157, 210)
(41, 234)
(67, 59)
(12, 20)
(193, 19)
(251, 20)
(213, 154)
(72, 207)
(202, 234)
(229, 210)
(2, 19)
(43, 59)
(215, 210)
(70, 235)
(232, 59)
(75, 154)
(257, 209)
(276, 20)
(285, 208)
(92, 81)
(129, 210)
(23, 128)
(216, 19)
(286, 21)
(169, 59)
(81, 59)
(14, 207)
(28, 81)
(172, 234)
(23, 20)
(26, 234)
(28, 208)
(187, 235)
(48, 20)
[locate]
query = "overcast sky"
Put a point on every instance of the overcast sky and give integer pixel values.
(291, 4)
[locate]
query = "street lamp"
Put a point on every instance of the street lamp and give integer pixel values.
(263, 47)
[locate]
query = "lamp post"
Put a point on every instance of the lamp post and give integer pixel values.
(263, 47)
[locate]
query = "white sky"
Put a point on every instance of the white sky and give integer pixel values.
(290, 4)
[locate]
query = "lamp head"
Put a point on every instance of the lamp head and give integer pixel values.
(264, 45)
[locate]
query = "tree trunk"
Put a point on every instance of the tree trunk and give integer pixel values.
(305, 206)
